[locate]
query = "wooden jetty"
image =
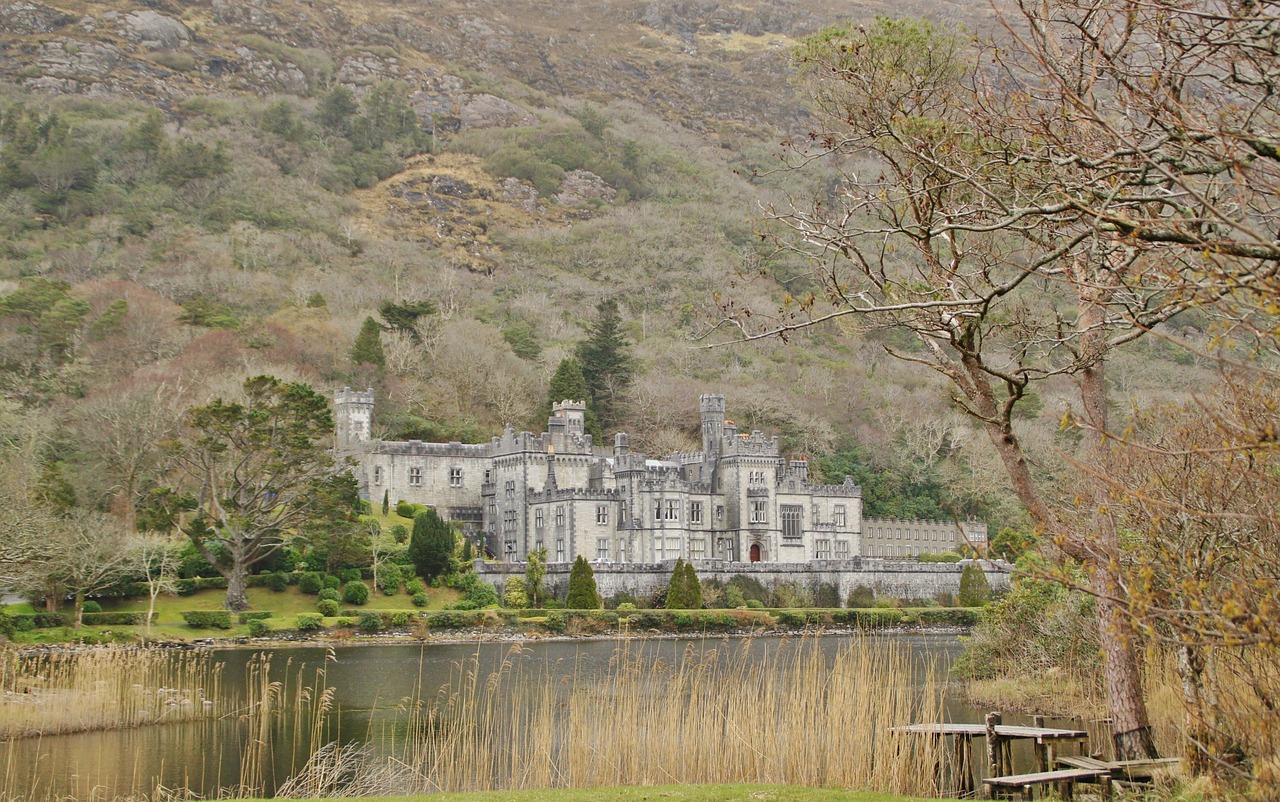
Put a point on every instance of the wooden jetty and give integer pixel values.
(999, 737)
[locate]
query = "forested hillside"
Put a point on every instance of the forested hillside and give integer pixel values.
(196, 192)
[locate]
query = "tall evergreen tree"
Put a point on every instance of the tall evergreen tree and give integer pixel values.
(678, 591)
(692, 588)
(607, 364)
(430, 545)
(368, 345)
(583, 593)
(568, 384)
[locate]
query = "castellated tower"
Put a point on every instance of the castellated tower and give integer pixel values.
(713, 410)
(353, 413)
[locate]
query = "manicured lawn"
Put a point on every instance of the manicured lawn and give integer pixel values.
(666, 793)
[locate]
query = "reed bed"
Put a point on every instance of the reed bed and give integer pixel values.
(715, 715)
(104, 688)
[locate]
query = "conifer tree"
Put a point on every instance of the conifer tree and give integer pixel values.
(386, 502)
(368, 345)
(692, 588)
(678, 591)
(583, 593)
(430, 544)
(607, 364)
(975, 591)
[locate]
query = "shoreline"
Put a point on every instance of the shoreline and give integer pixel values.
(480, 635)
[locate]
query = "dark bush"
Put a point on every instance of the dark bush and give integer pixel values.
(259, 628)
(329, 594)
(327, 607)
(310, 582)
(349, 575)
(277, 581)
(355, 592)
(389, 579)
(370, 621)
(91, 606)
(331, 581)
(861, 597)
(420, 600)
(208, 619)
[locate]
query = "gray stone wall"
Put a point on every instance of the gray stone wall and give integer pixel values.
(897, 579)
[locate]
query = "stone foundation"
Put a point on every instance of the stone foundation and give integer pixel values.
(896, 579)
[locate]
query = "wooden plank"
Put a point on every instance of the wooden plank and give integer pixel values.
(1042, 777)
(1083, 762)
(1004, 730)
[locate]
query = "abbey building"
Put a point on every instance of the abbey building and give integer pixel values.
(738, 499)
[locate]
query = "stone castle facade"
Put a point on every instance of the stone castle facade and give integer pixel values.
(737, 500)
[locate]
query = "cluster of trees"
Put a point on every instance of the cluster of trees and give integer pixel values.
(1028, 209)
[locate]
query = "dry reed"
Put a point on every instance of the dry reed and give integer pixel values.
(721, 715)
(104, 688)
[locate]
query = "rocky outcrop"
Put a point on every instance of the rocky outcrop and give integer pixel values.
(487, 111)
(154, 31)
(520, 193)
(77, 60)
(580, 186)
(24, 19)
(282, 76)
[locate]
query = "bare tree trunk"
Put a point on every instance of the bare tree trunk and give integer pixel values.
(1131, 730)
(237, 596)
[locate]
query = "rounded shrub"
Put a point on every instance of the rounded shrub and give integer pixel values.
(355, 592)
(309, 622)
(277, 581)
(389, 579)
(311, 582)
(91, 606)
(400, 532)
(414, 586)
(331, 581)
(370, 621)
(327, 607)
(420, 599)
(329, 594)
(259, 628)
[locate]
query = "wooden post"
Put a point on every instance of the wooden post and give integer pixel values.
(993, 747)
(1041, 751)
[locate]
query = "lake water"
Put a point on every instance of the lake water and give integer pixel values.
(368, 683)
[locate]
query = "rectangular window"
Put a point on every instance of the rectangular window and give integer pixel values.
(415, 477)
(602, 513)
(455, 477)
(698, 548)
(791, 521)
(510, 548)
(838, 516)
(559, 549)
(695, 512)
(719, 512)
(823, 550)
(377, 474)
(668, 510)
(510, 489)
(759, 511)
(560, 515)
(602, 548)
(842, 549)
(538, 521)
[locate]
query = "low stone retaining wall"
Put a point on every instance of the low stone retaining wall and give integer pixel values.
(902, 579)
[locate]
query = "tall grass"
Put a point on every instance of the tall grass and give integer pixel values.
(103, 688)
(721, 715)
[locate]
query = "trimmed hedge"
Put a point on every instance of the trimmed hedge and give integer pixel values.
(254, 615)
(119, 619)
(25, 622)
(207, 619)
